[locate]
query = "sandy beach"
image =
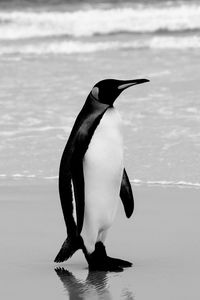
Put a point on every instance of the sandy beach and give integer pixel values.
(161, 239)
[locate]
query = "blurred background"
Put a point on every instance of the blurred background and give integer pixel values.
(51, 54)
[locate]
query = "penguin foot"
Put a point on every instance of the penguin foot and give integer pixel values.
(99, 260)
(105, 266)
(120, 262)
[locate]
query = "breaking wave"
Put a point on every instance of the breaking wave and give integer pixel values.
(16, 25)
(74, 47)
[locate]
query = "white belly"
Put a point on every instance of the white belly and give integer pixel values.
(103, 167)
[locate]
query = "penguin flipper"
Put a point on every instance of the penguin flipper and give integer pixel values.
(69, 247)
(126, 195)
(71, 177)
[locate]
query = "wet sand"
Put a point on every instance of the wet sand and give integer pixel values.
(161, 239)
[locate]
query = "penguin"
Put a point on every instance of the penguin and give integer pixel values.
(92, 177)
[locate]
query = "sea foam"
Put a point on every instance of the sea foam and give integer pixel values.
(75, 47)
(161, 183)
(94, 29)
(135, 19)
(165, 183)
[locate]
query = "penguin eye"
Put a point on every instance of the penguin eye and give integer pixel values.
(95, 92)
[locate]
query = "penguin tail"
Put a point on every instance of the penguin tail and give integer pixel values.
(69, 247)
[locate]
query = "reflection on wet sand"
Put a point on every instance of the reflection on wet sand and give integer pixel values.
(94, 287)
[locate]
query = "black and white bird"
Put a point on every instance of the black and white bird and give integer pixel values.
(92, 174)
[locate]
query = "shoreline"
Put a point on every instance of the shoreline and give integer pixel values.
(40, 182)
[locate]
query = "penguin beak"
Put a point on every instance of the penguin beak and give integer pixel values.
(127, 83)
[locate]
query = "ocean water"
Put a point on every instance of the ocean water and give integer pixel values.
(53, 52)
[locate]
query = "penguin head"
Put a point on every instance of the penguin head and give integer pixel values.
(106, 91)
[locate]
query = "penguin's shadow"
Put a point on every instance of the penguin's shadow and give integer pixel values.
(94, 285)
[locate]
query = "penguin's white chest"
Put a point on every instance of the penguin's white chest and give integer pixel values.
(103, 167)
